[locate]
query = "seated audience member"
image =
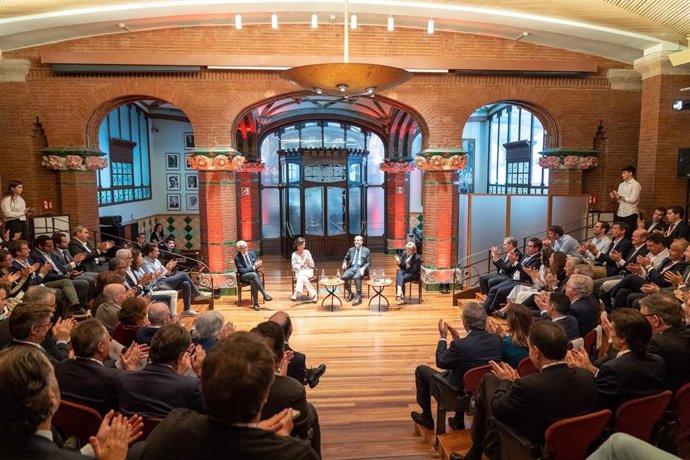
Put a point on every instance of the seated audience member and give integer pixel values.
(157, 235)
(633, 372)
(143, 282)
(616, 265)
(34, 273)
(11, 277)
(43, 253)
(504, 267)
(670, 337)
(56, 339)
(29, 325)
(622, 446)
(158, 315)
(118, 266)
(287, 392)
(303, 269)
(474, 350)
(102, 280)
(169, 360)
(583, 306)
(64, 259)
(528, 405)
(656, 224)
(132, 317)
(114, 296)
(178, 281)
(140, 241)
(558, 240)
(236, 377)
(555, 306)
(514, 339)
(29, 397)
(247, 269)
(409, 267)
(677, 227)
(92, 257)
(620, 247)
(210, 328)
(4, 295)
(297, 369)
(647, 280)
(600, 243)
(545, 279)
(531, 260)
(86, 380)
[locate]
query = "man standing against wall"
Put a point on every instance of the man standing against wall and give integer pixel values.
(628, 197)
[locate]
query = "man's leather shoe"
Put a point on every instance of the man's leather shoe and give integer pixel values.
(257, 307)
(501, 314)
(454, 456)
(348, 296)
(455, 425)
(419, 419)
(358, 300)
(267, 297)
(314, 374)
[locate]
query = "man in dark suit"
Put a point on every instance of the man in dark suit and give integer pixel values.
(86, 380)
(530, 404)
(247, 267)
(670, 337)
(677, 227)
(236, 377)
(555, 307)
(656, 224)
(503, 265)
(287, 392)
(498, 293)
(620, 247)
(29, 396)
(356, 265)
(649, 280)
(476, 349)
(169, 359)
(583, 306)
(409, 268)
(616, 264)
(79, 244)
(297, 369)
(57, 337)
(29, 325)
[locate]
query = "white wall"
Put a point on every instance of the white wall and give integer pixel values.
(479, 131)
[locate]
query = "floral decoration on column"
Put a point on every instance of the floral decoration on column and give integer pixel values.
(441, 160)
(564, 158)
(222, 159)
(400, 165)
(73, 159)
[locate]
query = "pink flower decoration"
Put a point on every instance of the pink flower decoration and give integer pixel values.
(95, 163)
(74, 161)
(553, 162)
(571, 162)
(220, 162)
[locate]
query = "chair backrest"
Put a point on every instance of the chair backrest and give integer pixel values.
(590, 340)
(526, 367)
(473, 377)
(569, 439)
(637, 417)
(681, 407)
(149, 425)
(73, 419)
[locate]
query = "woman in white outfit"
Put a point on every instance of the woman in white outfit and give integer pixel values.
(14, 209)
(303, 266)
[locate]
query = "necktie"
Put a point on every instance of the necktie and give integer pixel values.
(66, 255)
(670, 229)
(356, 262)
(246, 258)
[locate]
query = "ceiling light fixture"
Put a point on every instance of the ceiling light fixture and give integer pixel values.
(430, 26)
(346, 79)
(314, 20)
(391, 24)
(238, 21)
(274, 21)
(353, 22)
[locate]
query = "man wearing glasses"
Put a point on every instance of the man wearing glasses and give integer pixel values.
(29, 325)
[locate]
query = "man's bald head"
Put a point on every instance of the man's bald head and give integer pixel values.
(283, 320)
(158, 313)
(114, 292)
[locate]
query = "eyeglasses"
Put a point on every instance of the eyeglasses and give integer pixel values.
(44, 325)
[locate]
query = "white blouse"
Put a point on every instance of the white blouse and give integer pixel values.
(302, 263)
(13, 209)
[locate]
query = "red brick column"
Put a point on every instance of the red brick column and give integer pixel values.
(77, 192)
(218, 218)
(397, 209)
(440, 202)
(249, 216)
(565, 182)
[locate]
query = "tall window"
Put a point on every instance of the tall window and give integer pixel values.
(510, 124)
(124, 137)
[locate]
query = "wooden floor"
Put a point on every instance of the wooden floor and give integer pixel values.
(365, 398)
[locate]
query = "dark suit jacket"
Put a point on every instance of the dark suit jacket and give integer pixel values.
(37, 257)
(145, 334)
(288, 392)
(37, 448)
(187, 435)
(632, 257)
(570, 326)
(156, 390)
(5, 335)
(531, 403)
(61, 260)
(504, 266)
(628, 377)
(476, 349)
(32, 280)
(624, 246)
(415, 265)
(89, 263)
(53, 360)
(655, 226)
(86, 382)
(673, 345)
(241, 264)
(586, 312)
(364, 258)
(297, 369)
(681, 231)
(657, 276)
(533, 262)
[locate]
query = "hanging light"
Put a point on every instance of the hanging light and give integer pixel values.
(314, 20)
(274, 21)
(430, 26)
(391, 24)
(353, 22)
(238, 21)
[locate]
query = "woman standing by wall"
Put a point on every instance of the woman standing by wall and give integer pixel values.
(14, 210)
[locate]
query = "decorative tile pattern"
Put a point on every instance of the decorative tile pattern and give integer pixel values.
(416, 223)
(185, 229)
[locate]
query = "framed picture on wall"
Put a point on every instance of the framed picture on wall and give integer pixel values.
(192, 180)
(189, 141)
(172, 182)
(466, 176)
(172, 161)
(192, 202)
(187, 156)
(174, 202)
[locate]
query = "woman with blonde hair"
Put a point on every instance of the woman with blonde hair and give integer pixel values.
(409, 266)
(303, 267)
